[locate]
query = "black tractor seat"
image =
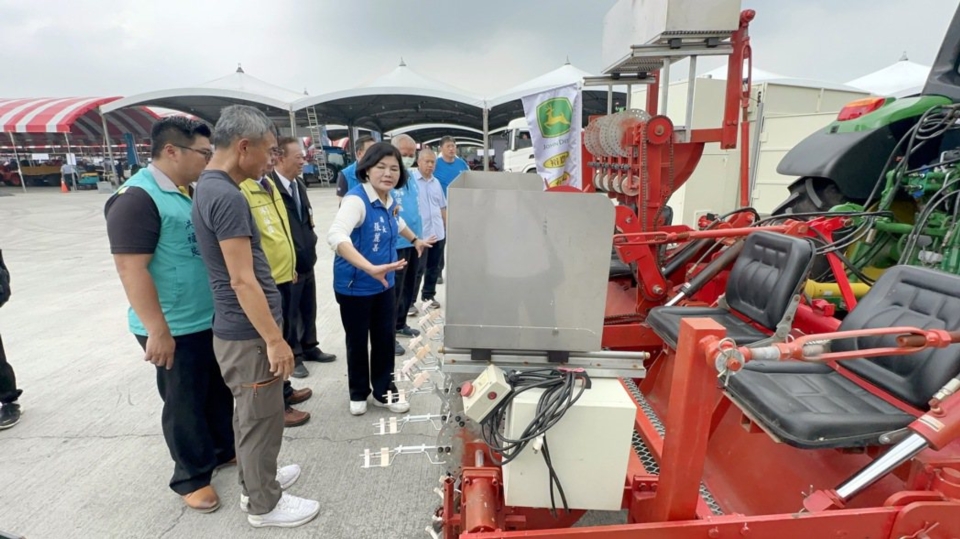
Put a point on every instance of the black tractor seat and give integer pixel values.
(762, 286)
(813, 406)
(618, 269)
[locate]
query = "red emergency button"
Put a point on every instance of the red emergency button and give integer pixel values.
(467, 389)
(492, 395)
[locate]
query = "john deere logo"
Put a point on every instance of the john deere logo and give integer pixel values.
(560, 181)
(557, 161)
(555, 116)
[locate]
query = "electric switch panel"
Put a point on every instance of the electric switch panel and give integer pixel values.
(482, 395)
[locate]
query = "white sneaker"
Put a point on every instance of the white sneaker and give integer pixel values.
(290, 512)
(286, 476)
(358, 407)
(395, 407)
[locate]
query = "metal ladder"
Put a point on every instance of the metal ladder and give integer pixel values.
(324, 173)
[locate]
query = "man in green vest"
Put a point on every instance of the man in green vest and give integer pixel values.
(154, 247)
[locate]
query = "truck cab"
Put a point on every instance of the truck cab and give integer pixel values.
(518, 156)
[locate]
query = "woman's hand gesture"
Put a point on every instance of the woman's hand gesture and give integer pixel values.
(380, 272)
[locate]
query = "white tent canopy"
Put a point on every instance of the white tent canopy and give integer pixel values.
(396, 99)
(562, 76)
(206, 100)
(507, 105)
(896, 79)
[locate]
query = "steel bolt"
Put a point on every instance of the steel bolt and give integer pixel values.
(713, 533)
(657, 289)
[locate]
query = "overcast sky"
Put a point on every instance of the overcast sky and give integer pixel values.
(122, 47)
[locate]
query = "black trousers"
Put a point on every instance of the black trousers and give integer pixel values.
(428, 270)
(369, 317)
(197, 415)
(406, 282)
(304, 309)
(289, 334)
(8, 379)
(289, 328)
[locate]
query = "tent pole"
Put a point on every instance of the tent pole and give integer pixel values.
(73, 177)
(486, 139)
(293, 124)
(609, 99)
(16, 157)
(352, 139)
(108, 172)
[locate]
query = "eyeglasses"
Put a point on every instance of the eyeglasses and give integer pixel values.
(206, 153)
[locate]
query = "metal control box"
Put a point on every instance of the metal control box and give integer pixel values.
(589, 447)
(652, 22)
(483, 394)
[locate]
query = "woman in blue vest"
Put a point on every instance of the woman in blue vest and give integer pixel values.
(363, 235)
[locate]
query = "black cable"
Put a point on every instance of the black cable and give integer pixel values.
(924, 217)
(560, 392)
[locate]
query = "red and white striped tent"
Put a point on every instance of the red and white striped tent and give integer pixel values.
(71, 120)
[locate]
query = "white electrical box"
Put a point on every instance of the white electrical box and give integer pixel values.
(589, 448)
(482, 395)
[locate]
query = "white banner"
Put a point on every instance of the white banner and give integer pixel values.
(555, 124)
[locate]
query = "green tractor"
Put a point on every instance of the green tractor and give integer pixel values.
(894, 163)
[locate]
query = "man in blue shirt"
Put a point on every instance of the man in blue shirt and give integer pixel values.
(449, 166)
(408, 199)
(347, 179)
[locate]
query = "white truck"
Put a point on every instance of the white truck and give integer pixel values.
(518, 157)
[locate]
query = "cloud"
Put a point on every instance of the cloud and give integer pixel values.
(112, 47)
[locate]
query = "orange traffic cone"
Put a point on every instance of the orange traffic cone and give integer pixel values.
(63, 186)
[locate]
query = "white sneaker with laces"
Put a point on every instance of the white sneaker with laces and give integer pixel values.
(290, 512)
(395, 407)
(358, 407)
(286, 476)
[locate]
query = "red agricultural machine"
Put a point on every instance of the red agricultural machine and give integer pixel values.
(722, 400)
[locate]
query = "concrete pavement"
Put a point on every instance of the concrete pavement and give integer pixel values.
(88, 457)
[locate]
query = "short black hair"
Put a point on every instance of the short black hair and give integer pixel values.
(283, 142)
(176, 130)
(361, 142)
(374, 155)
(446, 139)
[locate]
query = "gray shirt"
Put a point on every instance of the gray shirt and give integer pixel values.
(221, 212)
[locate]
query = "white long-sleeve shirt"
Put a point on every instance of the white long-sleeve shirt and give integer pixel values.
(351, 214)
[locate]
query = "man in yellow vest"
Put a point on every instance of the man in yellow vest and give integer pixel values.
(270, 215)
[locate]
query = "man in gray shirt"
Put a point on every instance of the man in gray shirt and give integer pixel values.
(253, 356)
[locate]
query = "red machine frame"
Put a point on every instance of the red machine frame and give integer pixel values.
(712, 442)
(704, 426)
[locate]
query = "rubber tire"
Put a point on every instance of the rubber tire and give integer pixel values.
(810, 194)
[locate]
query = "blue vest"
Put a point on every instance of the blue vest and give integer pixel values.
(178, 272)
(350, 173)
(375, 239)
(409, 200)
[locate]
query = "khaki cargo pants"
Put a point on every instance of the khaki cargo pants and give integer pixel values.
(257, 418)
